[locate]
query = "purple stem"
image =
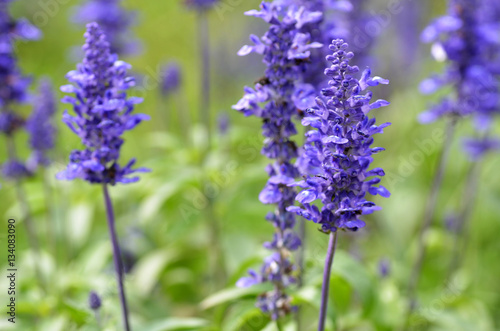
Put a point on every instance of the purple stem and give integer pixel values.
(116, 255)
(429, 216)
(205, 71)
(326, 280)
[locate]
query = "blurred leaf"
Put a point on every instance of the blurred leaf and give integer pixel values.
(231, 294)
(356, 275)
(152, 204)
(79, 223)
(173, 323)
(148, 269)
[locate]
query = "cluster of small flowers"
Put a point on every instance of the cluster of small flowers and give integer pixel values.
(41, 127)
(113, 19)
(13, 85)
(468, 38)
(338, 152)
(103, 113)
(286, 48)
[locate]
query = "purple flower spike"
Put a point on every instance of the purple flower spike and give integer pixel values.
(338, 152)
(287, 50)
(94, 301)
(41, 127)
(102, 113)
(170, 78)
(113, 20)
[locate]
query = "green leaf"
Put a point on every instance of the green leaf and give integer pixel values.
(173, 323)
(232, 294)
(148, 270)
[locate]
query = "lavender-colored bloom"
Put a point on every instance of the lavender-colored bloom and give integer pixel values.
(338, 152)
(41, 127)
(223, 123)
(13, 85)
(463, 38)
(15, 169)
(103, 113)
(113, 19)
(200, 5)
(286, 48)
(384, 268)
(477, 148)
(94, 301)
(170, 78)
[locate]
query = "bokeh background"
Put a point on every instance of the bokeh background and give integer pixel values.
(165, 221)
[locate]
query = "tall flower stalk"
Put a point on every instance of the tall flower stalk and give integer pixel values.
(463, 38)
(13, 91)
(286, 49)
(40, 126)
(338, 153)
(102, 115)
(202, 7)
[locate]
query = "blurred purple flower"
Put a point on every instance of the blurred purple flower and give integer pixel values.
(94, 300)
(170, 78)
(103, 113)
(200, 5)
(114, 20)
(40, 126)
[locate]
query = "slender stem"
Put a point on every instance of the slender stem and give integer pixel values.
(326, 280)
(205, 71)
(300, 264)
(116, 256)
(468, 201)
(183, 114)
(28, 217)
(429, 215)
(218, 262)
(49, 205)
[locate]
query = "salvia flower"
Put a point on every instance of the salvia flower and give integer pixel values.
(338, 151)
(114, 20)
(462, 37)
(41, 127)
(94, 301)
(170, 78)
(13, 85)
(102, 113)
(286, 50)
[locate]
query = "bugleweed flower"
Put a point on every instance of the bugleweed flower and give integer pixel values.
(339, 150)
(40, 126)
(461, 37)
(113, 19)
(286, 49)
(102, 113)
(13, 85)
(170, 78)
(94, 301)
(338, 154)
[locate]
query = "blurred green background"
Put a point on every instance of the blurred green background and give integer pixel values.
(164, 220)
